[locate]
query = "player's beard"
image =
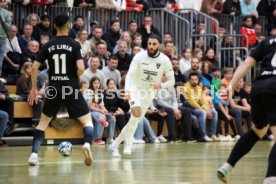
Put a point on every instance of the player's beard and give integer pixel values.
(152, 52)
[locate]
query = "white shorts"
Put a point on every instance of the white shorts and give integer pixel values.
(141, 97)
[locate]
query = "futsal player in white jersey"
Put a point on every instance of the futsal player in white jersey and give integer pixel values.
(142, 82)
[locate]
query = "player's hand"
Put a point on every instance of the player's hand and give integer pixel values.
(155, 85)
(127, 96)
(33, 96)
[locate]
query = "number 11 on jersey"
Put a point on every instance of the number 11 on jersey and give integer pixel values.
(57, 59)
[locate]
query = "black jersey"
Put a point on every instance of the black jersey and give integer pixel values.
(61, 53)
(265, 54)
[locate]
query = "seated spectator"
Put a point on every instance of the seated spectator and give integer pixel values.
(102, 53)
(29, 55)
(247, 89)
(232, 8)
(177, 74)
(248, 8)
(147, 29)
(227, 76)
(96, 38)
(258, 29)
(138, 40)
(206, 74)
(3, 122)
(93, 24)
(78, 25)
(25, 37)
(168, 49)
(128, 5)
(43, 28)
(135, 49)
(33, 19)
(185, 60)
(85, 45)
(125, 36)
(132, 29)
(43, 40)
(210, 56)
(194, 68)
(166, 98)
(200, 29)
(167, 37)
(93, 71)
(144, 126)
(111, 72)
(124, 58)
(216, 81)
(112, 35)
(84, 3)
(197, 53)
(195, 100)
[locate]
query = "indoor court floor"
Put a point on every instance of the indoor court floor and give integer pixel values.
(172, 163)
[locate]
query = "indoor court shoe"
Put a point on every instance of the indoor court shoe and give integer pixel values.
(33, 160)
(86, 150)
(113, 151)
(222, 175)
(127, 148)
(270, 180)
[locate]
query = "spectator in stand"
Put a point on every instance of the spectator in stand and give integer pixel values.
(227, 76)
(34, 20)
(167, 37)
(132, 29)
(194, 68)
(248, 30)
(177, 74)
(206, 74)
(188, 4)
(197, 53)
(111, 72)
(3, 122)
(102, 53)
(43, 40)
(185, 61)
(135, 49)
(267, 8)
(106, 4)
(85, 45)
(200, 30)
(212, 7)
(147, 29)
(232, 8)
(227, 56)
(260, 38)
(43, 28)
(216, 81)
(210, 56)
(26, 37)
(168, 49)
(22, 2)
(84, 3)
(125, 36)
(247, 89)
(248, 8)
(43, 2)
(124, 58)
(93, 24)
(93, 71)
(78, 25)
(112, 35)
(138, 41)
(258, 29)
(127, 5)
(29, 55)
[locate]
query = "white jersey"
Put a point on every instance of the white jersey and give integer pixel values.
(145, 70)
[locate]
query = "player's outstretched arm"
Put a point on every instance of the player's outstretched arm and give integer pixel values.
(33, 94)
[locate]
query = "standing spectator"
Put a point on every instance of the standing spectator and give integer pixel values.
(248, 30)
(111, 72)
(26, 37)
(185, 61)
(177, 74)
(267, 8)
(132, 29)
(248, 8)
(102, 53)
(85, 45)
(124, 58)
(78, 25)
(147, 29)
(93, 71)
(84, 3)
(112, 35)
(5, 25)
(125, 36)
(43, 28)
(232, 8)
(96, 38)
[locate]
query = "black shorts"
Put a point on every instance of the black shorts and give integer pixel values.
(263, 109)
(74, 103)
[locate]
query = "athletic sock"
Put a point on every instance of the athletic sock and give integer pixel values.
(37, 140)
(242, 147)
(127, 132)
(271, 171)
(88, 134)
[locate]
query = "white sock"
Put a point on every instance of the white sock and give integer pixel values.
(86, 144)
(127, 132)
(227, 167)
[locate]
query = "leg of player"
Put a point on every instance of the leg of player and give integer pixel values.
(271, 171)
(86, 122)
(127, 132)
(39, 134)
(242, 147)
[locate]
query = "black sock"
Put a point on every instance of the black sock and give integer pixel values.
(271, 171)
(88, 134)
(37, 140)
(242, 147)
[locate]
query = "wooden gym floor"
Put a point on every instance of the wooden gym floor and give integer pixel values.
(171, 163)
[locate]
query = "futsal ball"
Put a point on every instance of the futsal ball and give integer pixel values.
(65, 148)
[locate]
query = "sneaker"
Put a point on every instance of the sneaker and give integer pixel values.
(270, 180)
(127, 148)
(113, 151)
(86, 150)
(215, 138)
(33, 159)
(136, 141)
(237, 137)
(103, 122)
(162, 139)
(230, 138)
(99, 142)
(11, 129)
(271, 137)
(222, 175)
(109, 141)
(156, 141)
(207, 139)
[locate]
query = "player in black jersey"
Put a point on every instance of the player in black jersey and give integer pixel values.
(65, 66)
(263, 100)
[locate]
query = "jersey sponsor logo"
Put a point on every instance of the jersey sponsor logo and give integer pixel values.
(268, 73)
(158, 65)
(59, 78)
(148, 75)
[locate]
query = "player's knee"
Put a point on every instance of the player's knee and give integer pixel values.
(136, 111)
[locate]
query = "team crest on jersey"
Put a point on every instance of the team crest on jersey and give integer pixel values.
(158, 65)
